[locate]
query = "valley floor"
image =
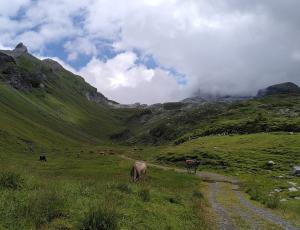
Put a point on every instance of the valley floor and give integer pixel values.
(79, 186)
(231, 208)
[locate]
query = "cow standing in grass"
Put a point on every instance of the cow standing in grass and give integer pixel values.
(43, 158)
(192, 165)
(139, 168)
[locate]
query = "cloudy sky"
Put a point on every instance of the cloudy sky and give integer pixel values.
(162, 50)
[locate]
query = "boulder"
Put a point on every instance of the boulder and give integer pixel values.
(296, 171)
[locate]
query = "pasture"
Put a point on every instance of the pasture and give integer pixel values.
(78, 188)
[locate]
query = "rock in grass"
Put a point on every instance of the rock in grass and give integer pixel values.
(296, 171)
(293, 189)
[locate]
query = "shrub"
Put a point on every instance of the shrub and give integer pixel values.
(100, 218)
(254, 193)
(197, 194)
(272, 201)
(124, 188)
(145, 195)
(11, 180)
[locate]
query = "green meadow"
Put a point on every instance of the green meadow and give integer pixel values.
(77, 189)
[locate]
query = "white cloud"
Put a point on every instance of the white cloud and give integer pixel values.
(80, 46)
(124, 81)
(11, 7)
(231, 46)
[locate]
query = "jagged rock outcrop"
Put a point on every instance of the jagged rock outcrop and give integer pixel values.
(53, 65)
(21, 48)
(283, 88)
(5, 59)
(17, 77)
(94, 96)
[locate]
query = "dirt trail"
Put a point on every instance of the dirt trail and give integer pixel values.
(224, 221)
(258, 218)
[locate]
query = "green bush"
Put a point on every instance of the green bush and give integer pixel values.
(11, 180)
(145, 195)
(100, 218)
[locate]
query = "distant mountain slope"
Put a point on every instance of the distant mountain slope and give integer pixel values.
(42, 102)
(183, 121)
(283, 88)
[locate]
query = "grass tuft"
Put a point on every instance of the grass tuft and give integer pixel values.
(43, 206)
(11, 180)
(100, 218)
(124, 188)
(145, 194)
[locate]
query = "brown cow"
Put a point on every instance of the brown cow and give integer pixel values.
(192, 165)
(138, 169)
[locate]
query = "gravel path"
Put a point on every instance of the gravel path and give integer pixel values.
(224, 221)
(264, 213)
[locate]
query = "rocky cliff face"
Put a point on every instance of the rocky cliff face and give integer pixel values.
(17, 77)
(23, 71)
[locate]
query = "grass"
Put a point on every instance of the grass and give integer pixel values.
(11, 180)
(101, 217)
(63, 193)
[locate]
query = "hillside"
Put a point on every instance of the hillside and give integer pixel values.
(43, 103)
(180, 122)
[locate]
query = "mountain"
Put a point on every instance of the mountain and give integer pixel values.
(209, 98)
(183, 121)
(283, 88)
(42, 103)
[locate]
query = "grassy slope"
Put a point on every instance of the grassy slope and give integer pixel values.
(272, 113)
(57, 115)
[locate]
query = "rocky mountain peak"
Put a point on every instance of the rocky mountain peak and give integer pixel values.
(21, 48)
(283, 88)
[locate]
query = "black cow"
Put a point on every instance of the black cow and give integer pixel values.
(43, 158)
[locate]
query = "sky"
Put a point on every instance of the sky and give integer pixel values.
(152, 51)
